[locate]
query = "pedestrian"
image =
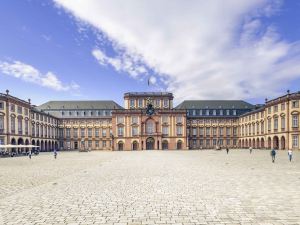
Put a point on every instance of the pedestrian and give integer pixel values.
(290, 154)
(273, 154)
(250, 149)
(29, 154)
(55, 153)
(227, 149)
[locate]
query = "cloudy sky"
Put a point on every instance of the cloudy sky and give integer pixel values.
(197, 49)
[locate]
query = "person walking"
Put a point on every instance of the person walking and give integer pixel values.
(29, 154)
(273, 154)
(290, 154)
(250, 149)
(55, 153)
(227, 149)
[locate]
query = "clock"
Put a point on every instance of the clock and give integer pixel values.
(150, 110)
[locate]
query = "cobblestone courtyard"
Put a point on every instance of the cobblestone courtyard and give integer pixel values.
(151, 187)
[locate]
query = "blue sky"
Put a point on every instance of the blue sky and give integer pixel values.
(68, 50)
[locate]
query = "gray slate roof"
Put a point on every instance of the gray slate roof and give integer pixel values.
(69, 105)
(215, 104)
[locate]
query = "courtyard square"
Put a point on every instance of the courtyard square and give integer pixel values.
(151, 187)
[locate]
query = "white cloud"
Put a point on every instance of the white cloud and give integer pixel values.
(200, 49)
(30, 74)
(121, 63)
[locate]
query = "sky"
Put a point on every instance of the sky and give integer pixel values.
(196, 49)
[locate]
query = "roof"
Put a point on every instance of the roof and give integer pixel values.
(167, 94)
(58, 105)
(215, 104)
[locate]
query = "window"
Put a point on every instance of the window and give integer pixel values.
(97, 132)
(275, 123)
(283, 122)
(179, 119)
(2, 141)
(26, 127)
(90, 144)
(227, 141)
(234, 112)
(214, 141)
(131, 103)
(90, 131)
(120, 131)
(201, 131)
(227, 131)
(207, 143)
(38, 130)
(194, 112)
(134, 131)
(134, 119)
(269, 110)
(221, 131)
(207, 131)
(68, 133)
(165, 130)
(62, 113)
(221, 112)
(179, 130)
(20, 128)
(1, 105)
(166, 103)
(275, 108)
(120, 119)
(283, 106)
(295, 121)
(97, 144)
(150, 127)
(70, 113)
(214, 131)
(295, 141)
(1, 124)
(75, 133)
(200, 112)
(103, 144)
(295, 104)
(82, 132)
(194, 131)
(234, 131)
(214, 112)
(12, 107)
(140, 103)
(269, 124)
(157, 103)
(227, 112)
(207, 112)
(262, 127)
(103, 132)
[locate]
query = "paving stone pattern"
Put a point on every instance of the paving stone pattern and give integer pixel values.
(151, 187)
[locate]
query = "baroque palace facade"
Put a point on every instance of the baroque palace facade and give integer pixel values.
(150, 121)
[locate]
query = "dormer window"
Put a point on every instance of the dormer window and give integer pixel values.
(140, 103)
(166, 103)
(131, 103)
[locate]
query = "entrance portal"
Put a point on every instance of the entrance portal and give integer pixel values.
(150, 143)
(76, 144)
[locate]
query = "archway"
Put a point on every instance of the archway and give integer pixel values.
(262, 143)
(42, 146)
(20, 142)
(275, 142)
(253, 143)
(179, 144)
(250, 143)
(269, 143)
(257, 143)
(120, 145)
(246, 143)
(150, 143)
(165, 145)
(282, 142)
(135, 145)
(13, 142)
(27, 143)
(33, 143)
(243, 143)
